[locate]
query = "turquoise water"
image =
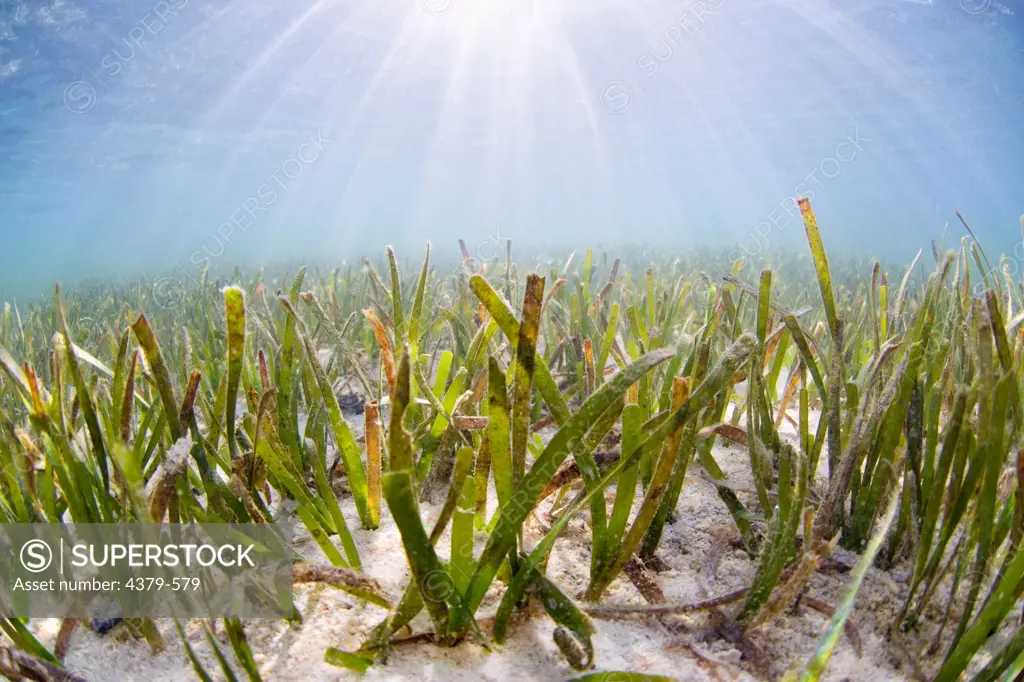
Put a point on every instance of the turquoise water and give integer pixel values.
(145, 137)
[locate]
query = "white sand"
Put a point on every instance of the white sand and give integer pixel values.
(702, 553)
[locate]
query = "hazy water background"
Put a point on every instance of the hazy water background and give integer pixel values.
(139, 135)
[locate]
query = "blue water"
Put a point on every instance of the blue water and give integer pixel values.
(141, 136)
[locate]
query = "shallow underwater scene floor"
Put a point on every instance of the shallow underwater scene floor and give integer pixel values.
(530, 466)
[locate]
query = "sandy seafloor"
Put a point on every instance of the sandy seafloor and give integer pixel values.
(702, 553)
